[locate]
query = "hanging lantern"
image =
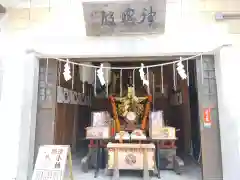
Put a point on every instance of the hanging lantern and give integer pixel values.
(86, 74)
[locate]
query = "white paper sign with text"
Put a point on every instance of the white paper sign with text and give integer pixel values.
(51, 162)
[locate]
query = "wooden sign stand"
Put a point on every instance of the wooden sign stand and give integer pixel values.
(51, 162)
(70, 164)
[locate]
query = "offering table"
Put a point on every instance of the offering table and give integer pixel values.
(97, 134)
(122, 156)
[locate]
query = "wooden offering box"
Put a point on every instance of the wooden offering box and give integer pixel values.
(166, 133)
(156, 122)
(131, 156)
(100, 119)
(97, 132)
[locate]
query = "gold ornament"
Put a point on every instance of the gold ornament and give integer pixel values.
(129, 105)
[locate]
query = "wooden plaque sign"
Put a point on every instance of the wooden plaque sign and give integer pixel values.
(107, 18)
(51, 162)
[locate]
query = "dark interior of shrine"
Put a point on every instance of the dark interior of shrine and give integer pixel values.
(182, 115)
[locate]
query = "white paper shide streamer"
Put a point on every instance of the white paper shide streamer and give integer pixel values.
(100, 75)
(174, 78)
(67, 71)
(180, 69)
(142, 75)
(103, 72)
(187, 73)
(107, 72)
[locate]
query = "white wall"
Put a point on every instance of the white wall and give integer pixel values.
(45, 31)
(17, 3)
(18, 107)
(227, 73)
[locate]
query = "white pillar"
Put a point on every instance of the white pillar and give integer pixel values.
(18, 107)
(227, 73)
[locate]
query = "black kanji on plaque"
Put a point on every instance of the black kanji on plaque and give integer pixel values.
(57, 165)
(47, 157)
(107, 18)
(58, 158)
(128, 15)
(148, 15)
(57, 151)
(54, 151)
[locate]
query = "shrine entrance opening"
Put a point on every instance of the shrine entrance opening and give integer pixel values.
(177, 99)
